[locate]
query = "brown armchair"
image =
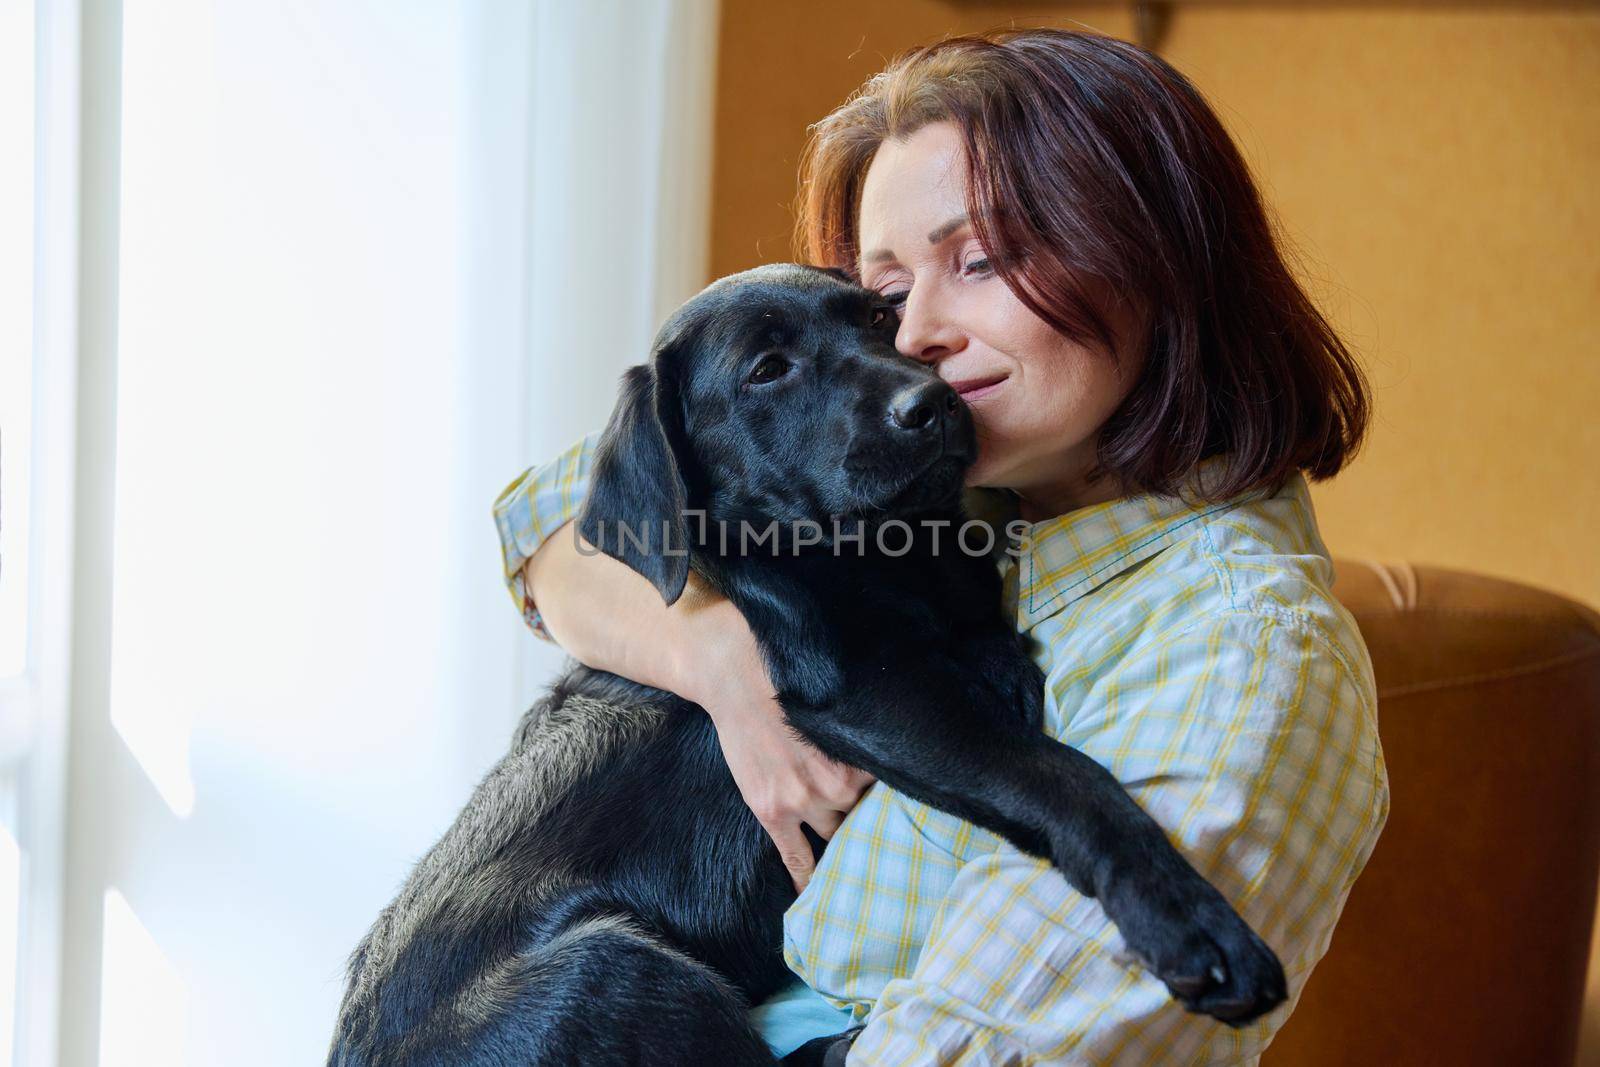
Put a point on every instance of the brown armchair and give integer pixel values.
(1466, 940)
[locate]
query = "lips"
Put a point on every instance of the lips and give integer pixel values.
(969, 387)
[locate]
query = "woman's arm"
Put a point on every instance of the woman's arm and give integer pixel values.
(610, 618)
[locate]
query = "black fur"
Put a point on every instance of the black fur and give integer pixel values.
(607, 897)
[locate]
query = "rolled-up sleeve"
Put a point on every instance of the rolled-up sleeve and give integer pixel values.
(1252, 739)
(530, 509)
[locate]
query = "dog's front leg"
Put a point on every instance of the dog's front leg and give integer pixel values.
(919, 731)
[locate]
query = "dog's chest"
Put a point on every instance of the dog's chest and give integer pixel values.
(923, 597)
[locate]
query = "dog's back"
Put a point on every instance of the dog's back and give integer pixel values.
(597, 838)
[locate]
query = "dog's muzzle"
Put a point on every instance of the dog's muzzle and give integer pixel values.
(934, 411)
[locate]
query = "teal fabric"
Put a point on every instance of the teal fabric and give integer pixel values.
(791, 1017)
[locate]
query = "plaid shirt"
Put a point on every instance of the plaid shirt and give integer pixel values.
(1197, 653)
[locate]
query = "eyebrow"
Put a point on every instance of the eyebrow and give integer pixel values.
(938, 234)
(771, 323)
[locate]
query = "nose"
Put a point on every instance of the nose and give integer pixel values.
(923, 406)
(928, 332)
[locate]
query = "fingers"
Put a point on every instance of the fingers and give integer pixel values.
(794, 850)
(860, 782)
(842, 786)
(826, 823)
(785, 780)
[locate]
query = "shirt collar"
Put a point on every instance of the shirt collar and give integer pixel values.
(1061, 559)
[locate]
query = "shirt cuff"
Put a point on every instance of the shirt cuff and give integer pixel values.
(536, 504)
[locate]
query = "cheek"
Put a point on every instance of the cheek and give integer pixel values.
(1068, 393)
(1092, 383)
(1068, 390)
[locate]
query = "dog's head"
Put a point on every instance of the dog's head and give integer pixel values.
(775, 394)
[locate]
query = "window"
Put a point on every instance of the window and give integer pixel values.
(16, 325)
(16, 456)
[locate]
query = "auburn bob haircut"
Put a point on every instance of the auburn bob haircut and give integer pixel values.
(1094, 161)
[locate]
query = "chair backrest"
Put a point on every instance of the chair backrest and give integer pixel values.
(1466, 940)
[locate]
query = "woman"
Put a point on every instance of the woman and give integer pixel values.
(1070, 237)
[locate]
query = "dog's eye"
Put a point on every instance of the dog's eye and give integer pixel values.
(769, 369)
(884, 315)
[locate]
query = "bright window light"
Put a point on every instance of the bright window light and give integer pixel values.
(143, 1001)
(16, 324)
(10, 901)
(167, 436)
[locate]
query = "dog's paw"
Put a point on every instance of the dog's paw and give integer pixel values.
(1208, 958)
(828, 1051)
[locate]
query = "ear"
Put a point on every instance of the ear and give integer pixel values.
(637, 495)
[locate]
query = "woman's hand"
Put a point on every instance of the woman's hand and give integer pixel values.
(783, 778)
(607, 616)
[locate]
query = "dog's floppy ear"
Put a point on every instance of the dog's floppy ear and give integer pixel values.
(635, 508)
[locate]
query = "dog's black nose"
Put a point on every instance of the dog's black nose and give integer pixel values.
(923, 406)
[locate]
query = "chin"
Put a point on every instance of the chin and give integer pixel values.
(980, 475)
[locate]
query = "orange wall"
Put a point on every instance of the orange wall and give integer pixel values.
(1435, 169)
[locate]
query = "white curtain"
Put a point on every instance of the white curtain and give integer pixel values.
(344, 269)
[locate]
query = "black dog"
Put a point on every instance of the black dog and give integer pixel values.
(607, 897)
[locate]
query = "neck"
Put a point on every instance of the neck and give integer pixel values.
(1036, 503)
(1059, 483)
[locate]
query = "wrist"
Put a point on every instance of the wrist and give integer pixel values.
(705, 646)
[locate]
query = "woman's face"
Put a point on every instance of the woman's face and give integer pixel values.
(1037, 398)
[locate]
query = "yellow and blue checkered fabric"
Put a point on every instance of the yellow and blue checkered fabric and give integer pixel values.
(1197, 652)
